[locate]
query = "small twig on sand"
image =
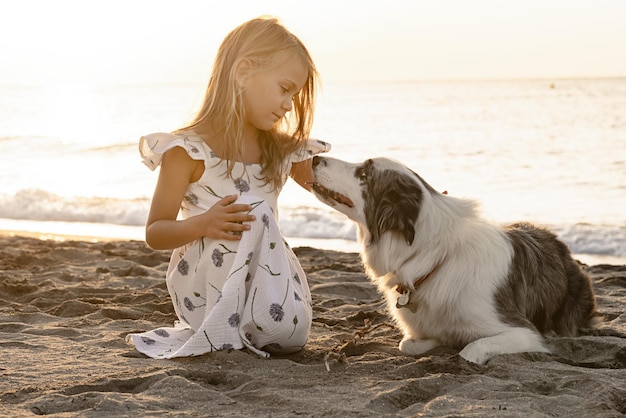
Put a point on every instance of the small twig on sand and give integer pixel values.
(337, 351)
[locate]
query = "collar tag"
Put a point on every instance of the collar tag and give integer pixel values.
(403, 300)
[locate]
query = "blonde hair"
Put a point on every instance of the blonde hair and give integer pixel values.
(259, 41)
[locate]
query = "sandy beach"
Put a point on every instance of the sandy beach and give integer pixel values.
(66, 307)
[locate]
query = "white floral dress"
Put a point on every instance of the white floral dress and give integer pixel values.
(230, 294)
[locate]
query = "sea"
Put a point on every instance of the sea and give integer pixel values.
(548, 151)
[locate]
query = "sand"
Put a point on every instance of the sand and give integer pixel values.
(65, 308)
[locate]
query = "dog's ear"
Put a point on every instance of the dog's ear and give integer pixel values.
(393, 205)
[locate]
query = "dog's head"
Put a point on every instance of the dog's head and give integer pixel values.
(380, 195)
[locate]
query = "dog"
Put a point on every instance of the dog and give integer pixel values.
(449, 277)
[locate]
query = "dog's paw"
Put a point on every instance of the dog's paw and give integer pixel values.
(514, 340)
(473, 352)
(414, 347)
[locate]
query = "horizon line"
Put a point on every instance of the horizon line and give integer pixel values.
(322, 81)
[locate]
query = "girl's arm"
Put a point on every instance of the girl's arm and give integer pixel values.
(302, 173)
(221, 221)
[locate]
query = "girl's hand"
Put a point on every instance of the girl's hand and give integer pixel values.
(225, 219)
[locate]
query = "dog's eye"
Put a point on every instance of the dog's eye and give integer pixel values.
(361, 173)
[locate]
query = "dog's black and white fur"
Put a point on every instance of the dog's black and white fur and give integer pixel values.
(449, 277)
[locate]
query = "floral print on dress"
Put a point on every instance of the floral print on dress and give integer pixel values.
(189, 304)
(218, 255)
(183, 267)
(242, 185)
(192, 198)
(161, 333)
(276, 312)
(250, 293)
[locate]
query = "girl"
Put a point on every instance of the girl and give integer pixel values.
(233, 280)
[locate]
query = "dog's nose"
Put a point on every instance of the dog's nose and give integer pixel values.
(318, 160)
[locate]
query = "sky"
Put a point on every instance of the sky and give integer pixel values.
(157, 41)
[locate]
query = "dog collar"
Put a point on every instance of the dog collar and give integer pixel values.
(405, 293)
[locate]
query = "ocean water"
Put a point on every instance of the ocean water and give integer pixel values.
(551, 152)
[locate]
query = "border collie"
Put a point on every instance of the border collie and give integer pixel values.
(449, 277)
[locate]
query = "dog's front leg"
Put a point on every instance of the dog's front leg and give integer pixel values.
(415, 347)
(513, 340)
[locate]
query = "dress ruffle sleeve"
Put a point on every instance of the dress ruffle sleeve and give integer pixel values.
(153, 146)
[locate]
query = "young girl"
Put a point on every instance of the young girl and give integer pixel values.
(233, 280)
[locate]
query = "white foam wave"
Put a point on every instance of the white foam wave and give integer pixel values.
(594, 239)
(302, 222)
(39, 205)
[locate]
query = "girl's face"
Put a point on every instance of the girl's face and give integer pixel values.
(268, 93)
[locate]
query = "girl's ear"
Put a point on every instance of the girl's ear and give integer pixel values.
(243, 69)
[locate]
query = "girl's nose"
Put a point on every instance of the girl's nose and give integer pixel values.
(287, 105)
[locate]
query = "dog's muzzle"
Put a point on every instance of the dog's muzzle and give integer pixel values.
(331, 195)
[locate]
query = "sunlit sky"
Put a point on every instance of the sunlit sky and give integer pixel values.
(151, 41)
